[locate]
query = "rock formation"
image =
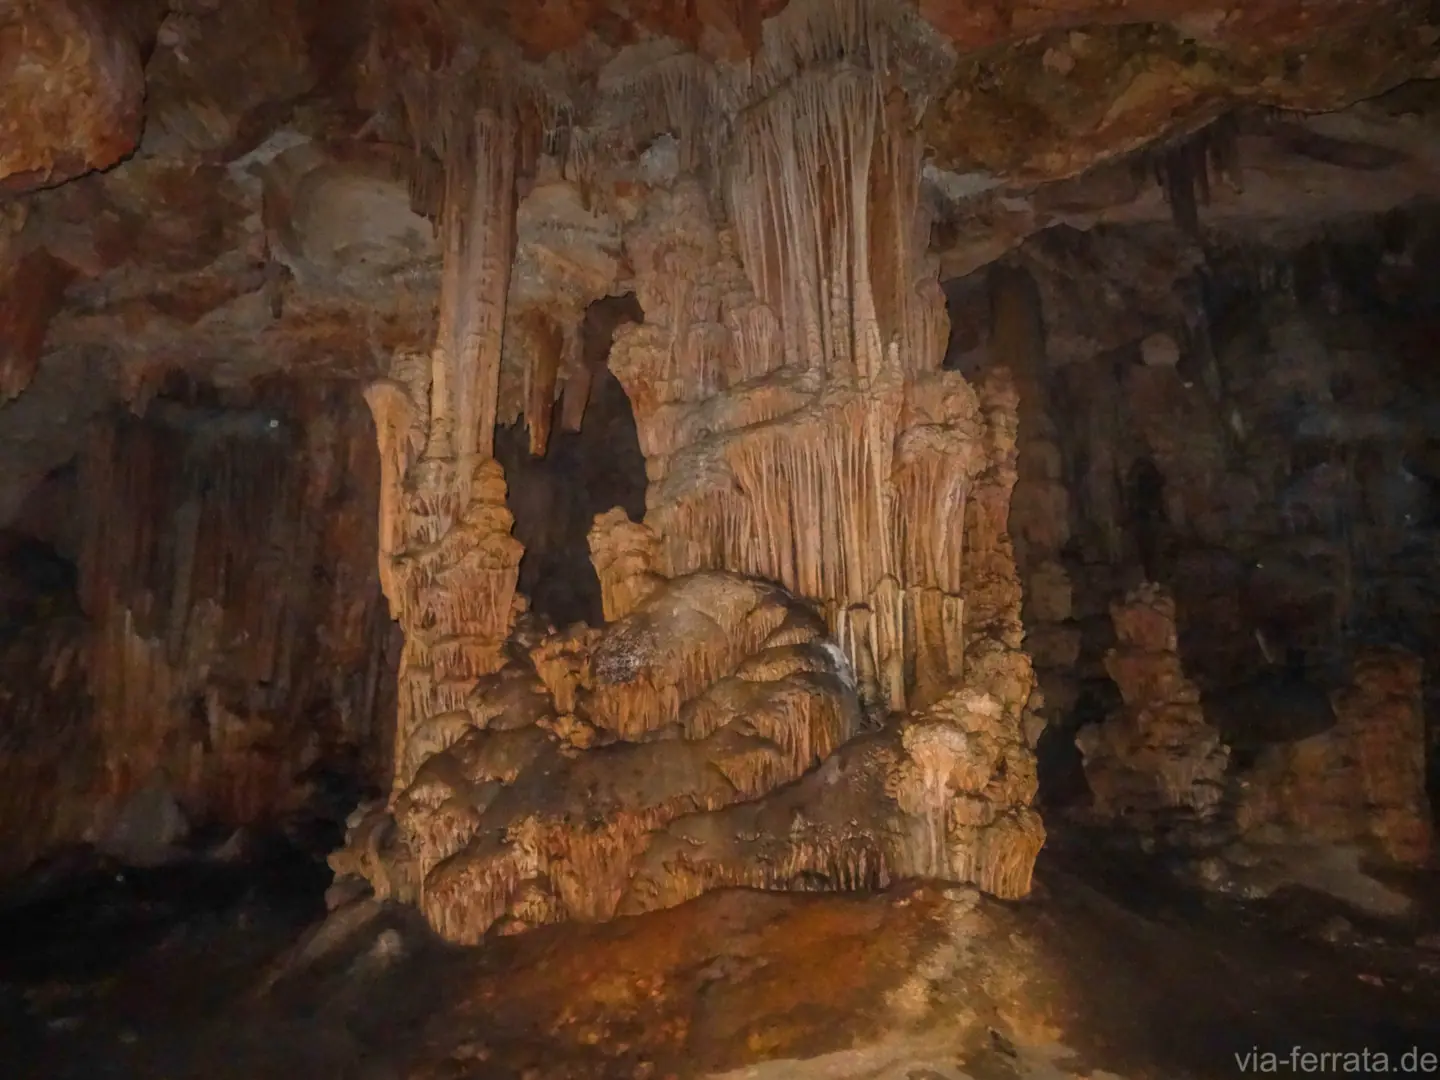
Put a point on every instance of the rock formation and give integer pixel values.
(811, 670)
(797, 429)
(74, 90)
(1361, 782)
(449, 563)
(634, 768)
(1158, 757)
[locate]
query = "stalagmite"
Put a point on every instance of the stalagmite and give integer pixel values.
(625, 556)
(1158, 758)
(448, 559)
(686, 722)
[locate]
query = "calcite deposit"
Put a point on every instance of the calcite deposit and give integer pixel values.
(1360, 782)
(797, 430)
(1157, 757)
(616, 772)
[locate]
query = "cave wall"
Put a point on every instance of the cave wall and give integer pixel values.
(1248, 423)
(230, 634)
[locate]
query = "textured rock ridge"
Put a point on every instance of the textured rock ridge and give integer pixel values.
(711, 743)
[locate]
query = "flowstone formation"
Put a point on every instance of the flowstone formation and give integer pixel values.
(533, 804)
(1157, 757)
(825, 543)
(625, 770)
(448, 563)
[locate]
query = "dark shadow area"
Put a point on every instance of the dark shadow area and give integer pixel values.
(37, 583)
(584, 472)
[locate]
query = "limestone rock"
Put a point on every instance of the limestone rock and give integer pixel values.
(625, 556)
(1362, 781)
(706, 704)
(1157, 757)
(945, 795)
(31, 290)
(149, 827)
(702, 697)
(74, 91)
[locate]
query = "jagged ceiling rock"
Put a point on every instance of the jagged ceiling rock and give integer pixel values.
(1293, 173)
(74, 90)
(1051, 106)
(222, 74)
(264, 222)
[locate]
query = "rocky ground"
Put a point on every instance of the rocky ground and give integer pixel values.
(1109, 970)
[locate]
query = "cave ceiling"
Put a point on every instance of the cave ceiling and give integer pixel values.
(225, 186)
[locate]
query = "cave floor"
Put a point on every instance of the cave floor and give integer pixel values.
(1106, 971)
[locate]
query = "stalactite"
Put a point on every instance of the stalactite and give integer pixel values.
(664, 94)
(1185, 168)
(548, 346)
(478, 236)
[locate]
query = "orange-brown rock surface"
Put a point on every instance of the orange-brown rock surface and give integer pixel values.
(226, 639)
(74, 87)
(1362, 781)
(1158, 756)
(531, 802)
(797, 429)
(771, 184)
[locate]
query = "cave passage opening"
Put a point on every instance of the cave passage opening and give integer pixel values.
(591, 463)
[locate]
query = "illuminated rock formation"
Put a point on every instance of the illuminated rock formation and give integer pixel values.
(798, 430)
(624, 555)
(714, 690)
(691, 716)
(946, 795)
(786, 384)
(1158, 756)
(449, 563)
(1362, 781)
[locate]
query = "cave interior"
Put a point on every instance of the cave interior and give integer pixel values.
(783, 538)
